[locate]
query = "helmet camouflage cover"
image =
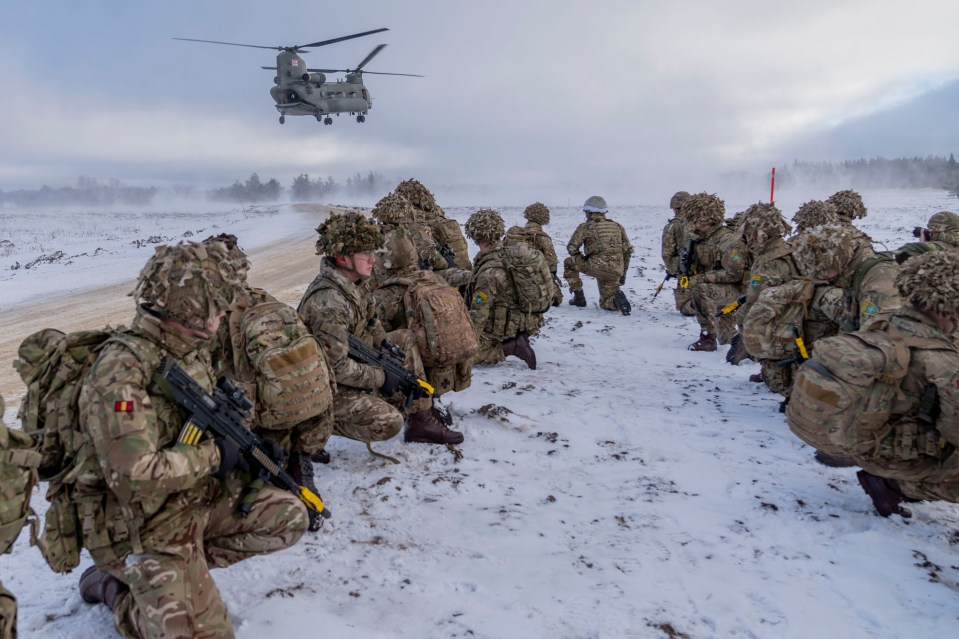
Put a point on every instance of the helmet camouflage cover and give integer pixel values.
(348, 234)
(485, 225)
(848, 204)
(815, 213)
(676, 202)
(399, 252)
(823, 252)
(417, 194)
(704, 208)
(943, 221)
(191, 282)
(762, 222)
(931, 282)
(537, 212)
(393, 209)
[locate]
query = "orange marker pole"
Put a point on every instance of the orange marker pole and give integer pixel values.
(772, 187)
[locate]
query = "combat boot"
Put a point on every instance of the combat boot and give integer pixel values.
(757, 378)
(300, 468)
(834, 461)
(424, 427)
(578, 299)
(737, 351)
(320, 457)
(885, 494)
(97, 586)
(622, 303)
(706, 342)
(519, 347)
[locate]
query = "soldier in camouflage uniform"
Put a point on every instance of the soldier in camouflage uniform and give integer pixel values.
(537, 216)
(916, 459)
(339, 303)
(674, 239)
(446, 231)
(607, 254)
(849, 205)
(857, 283)
(156, 515)
(721, 261)
(399, 260)
(762, 229)
(941, 234)
(502, 333)
(394, 211)
(816, 213)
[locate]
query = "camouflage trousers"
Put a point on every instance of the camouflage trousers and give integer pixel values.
(309, 436)
(778, 379)
(454, 378)
(707, 300)
(8, 614)
(172, 594)
(490, 351)
(557, 290)
(684, 301)
(607, 279)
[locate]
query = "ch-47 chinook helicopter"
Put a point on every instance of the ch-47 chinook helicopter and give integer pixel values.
(298, 90)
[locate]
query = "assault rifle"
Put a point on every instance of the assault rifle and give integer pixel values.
(732, 306)
(390, 358)
(449, 255)
(801, 353)
(223, 413)
(687, 266)
(660, 287)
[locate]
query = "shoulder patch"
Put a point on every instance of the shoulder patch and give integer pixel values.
(756, 281)
(123, 407)
(480, 298)
(868, 308)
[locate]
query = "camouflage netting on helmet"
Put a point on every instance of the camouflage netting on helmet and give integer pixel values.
(676, 202)
(931, 281)
(823, 252)
(762, 222)
(191, 282)
(399, 252)
(232, 244)
(704, 208)
(537, 212)
(848, 204)
(417, 194)
(943, 221)
(393, 209)
(815, 213)
(348, 234)
(485, 225)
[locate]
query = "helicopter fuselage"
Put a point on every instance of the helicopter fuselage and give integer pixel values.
(298, 91)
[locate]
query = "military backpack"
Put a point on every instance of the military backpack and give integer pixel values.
(532, 279)
(769, 330)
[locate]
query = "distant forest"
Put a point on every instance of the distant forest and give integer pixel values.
(898, 173)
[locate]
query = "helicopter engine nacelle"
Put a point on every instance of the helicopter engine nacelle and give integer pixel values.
(314, 78)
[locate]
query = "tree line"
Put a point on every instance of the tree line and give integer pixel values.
(87, 192)
(901, 173)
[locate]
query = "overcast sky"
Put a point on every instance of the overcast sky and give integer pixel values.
(551, 94)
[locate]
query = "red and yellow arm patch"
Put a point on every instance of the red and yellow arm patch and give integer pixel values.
(123, 407)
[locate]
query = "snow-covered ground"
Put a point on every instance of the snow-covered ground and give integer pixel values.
(626, 488)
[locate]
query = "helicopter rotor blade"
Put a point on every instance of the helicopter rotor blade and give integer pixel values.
(372, 55)
(326, 70)
(232, 44)
(269, 68)
(409, 75)
(340, 39)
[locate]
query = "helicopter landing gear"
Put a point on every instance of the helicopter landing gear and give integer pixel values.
(282, 119)
(328, 120)
(361, 118)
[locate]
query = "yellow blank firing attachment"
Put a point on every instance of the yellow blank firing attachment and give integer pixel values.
(684, 281)
(426, 387)
(732, 306)
(801, 345)
(313, 502)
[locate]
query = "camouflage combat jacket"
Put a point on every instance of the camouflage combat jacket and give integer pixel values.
(774, 265)
(489, 292)
(865, 291)
(136, 468)
(913, 249)
(674, 238)
(603, 241)
(721, 256)
(534, 235)
(333, 308)
(447, 231)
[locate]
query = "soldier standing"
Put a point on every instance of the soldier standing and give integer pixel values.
(674, 239)
(606, 254)
(339, 303)
(502, 328)
(155, 515)
(721, 259)
(537, 216)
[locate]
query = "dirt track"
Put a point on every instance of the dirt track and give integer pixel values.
(284, 268)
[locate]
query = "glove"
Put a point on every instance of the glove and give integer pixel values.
(230, 457)
(391, 383)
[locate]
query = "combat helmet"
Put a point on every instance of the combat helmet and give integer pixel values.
(704, 208)
(399, 252)
(848, 204)
(943, 221)
(348, 234)
(676, 202)
(595, 204)
(537, 212)
(761, 223)
(931, 282)
(191, 282)
(486, 225)
(824, 252)
(815, 213)
(393, 209)
(417, 194)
